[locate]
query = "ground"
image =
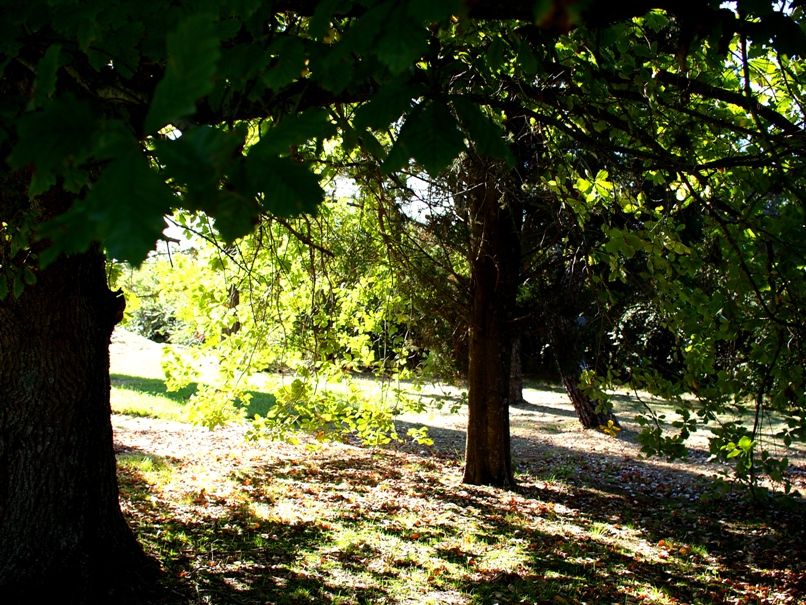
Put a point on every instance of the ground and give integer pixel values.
(239, 521)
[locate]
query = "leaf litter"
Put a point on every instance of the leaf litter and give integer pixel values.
(237, 521)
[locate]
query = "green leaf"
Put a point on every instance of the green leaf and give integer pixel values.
(675, 246)
(124, 210)
(733, 453)
(193, 53)
(527, 60)
(19, 286)
(28, 276)
(496, 54)
(322, 15)
(200, 157)
(295, 130)
(235, 215)
(120, 46)
(55, 140)
(583, 185)
(430, 136)
(386, 106)
(240, 64)
(128, 204)
(288, 187)
(400, 48)
(371, 144)
(45, 83)
(334, 70)
(290, 57)
(489, 138)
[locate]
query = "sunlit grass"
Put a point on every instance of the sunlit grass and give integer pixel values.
(137, 403)
(156, 471)
(149, 397)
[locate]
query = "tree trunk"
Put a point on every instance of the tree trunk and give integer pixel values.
(585, 407)
(63, 537)
(516, 374)
(494, 279)
(564, 335)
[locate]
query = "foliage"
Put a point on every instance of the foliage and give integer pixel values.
(150, 306)
(314, 299)
(698, 226)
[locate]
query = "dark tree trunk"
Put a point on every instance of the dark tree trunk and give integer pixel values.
(516, 374)
(63, 537)
(564, 342)
(233, 300)
(585, 407)
(494, 279)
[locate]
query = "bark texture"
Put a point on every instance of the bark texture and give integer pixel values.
(63, 537)
(516, 374)
(568, 356)
(589, 417)
(494, 280)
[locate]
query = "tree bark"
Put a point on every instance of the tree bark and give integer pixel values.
(585, 407)
(63, 537)
(494, 280)
(516, 374)
(567, 355)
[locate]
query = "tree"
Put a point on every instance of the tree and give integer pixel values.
(59, 505)
(116, 113)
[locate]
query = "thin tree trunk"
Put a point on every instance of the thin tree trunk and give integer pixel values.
(564, 338)
(63, 537)
(585, 407)
(494, 275)
(516, 374)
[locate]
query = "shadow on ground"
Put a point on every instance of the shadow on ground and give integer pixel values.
(559, 527)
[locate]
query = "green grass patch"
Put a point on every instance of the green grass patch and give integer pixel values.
(140, 396)
(142, 473)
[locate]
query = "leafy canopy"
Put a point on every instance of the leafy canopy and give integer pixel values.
(212, 104)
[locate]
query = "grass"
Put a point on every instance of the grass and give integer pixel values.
(149, 397)
(336, 523)
(154, 470)
(245, 523)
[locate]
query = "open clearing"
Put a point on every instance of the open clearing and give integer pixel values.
(241, 522)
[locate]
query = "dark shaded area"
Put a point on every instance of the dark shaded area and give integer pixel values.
(544, 409)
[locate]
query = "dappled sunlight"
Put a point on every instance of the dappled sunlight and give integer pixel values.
(335, 522)
(235, 520)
